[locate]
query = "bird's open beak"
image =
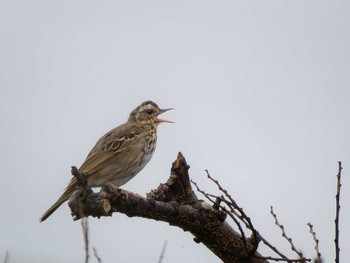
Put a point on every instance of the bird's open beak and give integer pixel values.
(161, 120)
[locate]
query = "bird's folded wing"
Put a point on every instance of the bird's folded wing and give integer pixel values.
(110, 146)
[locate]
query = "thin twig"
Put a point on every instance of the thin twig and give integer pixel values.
(285, 235)
(231, 215)
(236, 222)
(85, 228)
(234, 204)
(313, 233)
(163, 252)
(210, 198)
(96, 255)
(337, 208)
(245, 219)
(7, 257)
(274, 249)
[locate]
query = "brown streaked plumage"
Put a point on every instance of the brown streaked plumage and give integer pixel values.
(120, 154)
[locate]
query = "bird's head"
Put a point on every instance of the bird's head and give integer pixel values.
(147, 113)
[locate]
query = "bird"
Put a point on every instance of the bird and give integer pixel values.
(120, 154)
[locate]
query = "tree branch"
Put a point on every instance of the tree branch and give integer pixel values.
(85, 229)
(99, 260)
(290, 241)
(7, 257)
(337, 209)
(313, 233)
(163, 252)
(176, 203)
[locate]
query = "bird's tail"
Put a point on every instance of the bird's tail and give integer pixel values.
(64, 197)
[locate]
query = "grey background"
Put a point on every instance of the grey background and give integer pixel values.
(261, 97)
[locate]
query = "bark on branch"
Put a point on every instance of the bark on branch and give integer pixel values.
(173, 202)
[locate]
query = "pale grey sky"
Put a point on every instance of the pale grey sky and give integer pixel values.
(261, 96)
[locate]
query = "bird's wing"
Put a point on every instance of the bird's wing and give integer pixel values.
(111, 145)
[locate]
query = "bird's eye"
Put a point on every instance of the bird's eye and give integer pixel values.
(149, 111)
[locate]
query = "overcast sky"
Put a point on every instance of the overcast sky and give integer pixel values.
(261, 96)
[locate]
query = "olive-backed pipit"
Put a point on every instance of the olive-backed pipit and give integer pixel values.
(120, 154)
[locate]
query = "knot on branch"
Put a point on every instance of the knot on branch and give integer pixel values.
(178, 187)
(84, 201)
